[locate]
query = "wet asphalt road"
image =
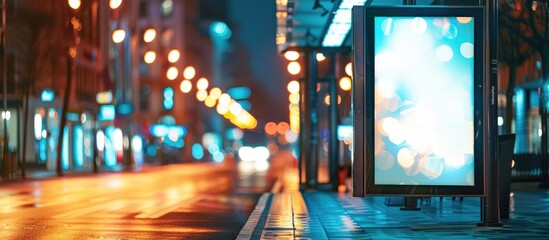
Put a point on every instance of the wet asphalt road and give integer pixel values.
(181, 201)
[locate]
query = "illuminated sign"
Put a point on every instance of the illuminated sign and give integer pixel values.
(47, 95)
(124, 108)
(343, 131)
(168, 98)
(106, 113)
(74, 117)
(161, 130)
(423, 101)
(238, 93)
(104, 97)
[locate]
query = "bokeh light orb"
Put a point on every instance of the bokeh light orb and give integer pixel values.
(327, 99)
(291, 55)
(294, 68)
(215, 93)
(149, 57)
(201, 95)
(294, 98)
(209, 102)
(320, 57)
(467, 50)
(224, 99)
(293, 86)
(235, 108)
(271, 128)
(349, 69)
(174, 55)
(149, 35)
(388, 26)
(444, 53)
(464, 20)
(118, 35)
(172, 73)
(202, 84)
(384, 160)
(449, 31)
(114, 4)
(189, 72)
(431, 167)
(345, 83)
(74, 4)
(419, 25)
(406, 158)
(186, 86)
(282, 128)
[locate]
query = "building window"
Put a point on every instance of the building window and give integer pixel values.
(143, 9)
(167, 8)
(144, 97)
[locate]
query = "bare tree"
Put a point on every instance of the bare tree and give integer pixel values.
(513, 51)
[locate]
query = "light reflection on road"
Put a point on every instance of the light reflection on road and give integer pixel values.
(163, 202)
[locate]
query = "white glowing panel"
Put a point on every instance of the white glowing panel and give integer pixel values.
(424, 101)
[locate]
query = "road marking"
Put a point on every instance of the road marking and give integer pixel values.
(277, 186)
(166, 207)
(247, 231)
(88, 210)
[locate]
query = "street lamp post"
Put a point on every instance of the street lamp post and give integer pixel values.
(76, 26)
(5, 155)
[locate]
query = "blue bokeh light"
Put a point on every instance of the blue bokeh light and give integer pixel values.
(197, 151)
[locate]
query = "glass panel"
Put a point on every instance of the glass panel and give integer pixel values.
(323, 91)
(424, 95)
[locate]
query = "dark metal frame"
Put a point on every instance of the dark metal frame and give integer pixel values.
(363, 105)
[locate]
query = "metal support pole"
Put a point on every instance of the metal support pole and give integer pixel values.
(313, 96)
(305, 128)
(490, 202)
(409, 2)
(302, 137)
(5, 152)
(333, 148)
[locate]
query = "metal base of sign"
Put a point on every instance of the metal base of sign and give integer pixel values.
(410, 204)
(485, 224)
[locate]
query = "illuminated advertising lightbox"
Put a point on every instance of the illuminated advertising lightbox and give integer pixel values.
(423, 101)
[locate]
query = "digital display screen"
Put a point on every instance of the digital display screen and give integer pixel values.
(424, 131)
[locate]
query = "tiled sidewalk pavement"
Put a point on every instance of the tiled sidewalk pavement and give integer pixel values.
(330, 215)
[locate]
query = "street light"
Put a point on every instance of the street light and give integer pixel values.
(118, 35)
(293, 86)
(202, 84)
(189, 72)
(149, 35)
(173, 55)
(235, 108)
(149, 57)
(294, 68)
(294, 98)
(291, 55)
(186, 86)
(215, 93)
(320, 57)
(172, 73)
(201, 95)
(349, 69)
(114, 4)
(74, 4)
(345, 83)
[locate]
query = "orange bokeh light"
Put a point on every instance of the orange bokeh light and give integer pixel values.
(270, 128)
(282, 128)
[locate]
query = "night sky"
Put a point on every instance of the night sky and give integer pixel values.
(254, 29)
